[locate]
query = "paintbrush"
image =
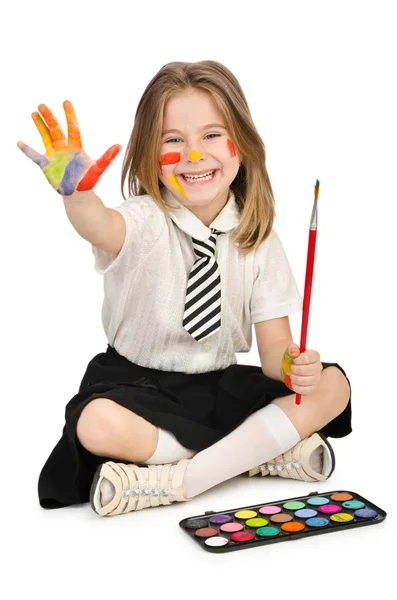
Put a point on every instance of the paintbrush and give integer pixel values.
(311, 249)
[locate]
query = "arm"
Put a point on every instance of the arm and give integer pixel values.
(101, 226)
(273, 336)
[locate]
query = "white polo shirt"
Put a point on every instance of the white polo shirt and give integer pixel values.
(145, 287)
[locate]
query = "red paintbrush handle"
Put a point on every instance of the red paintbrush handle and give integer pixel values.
(307, 293)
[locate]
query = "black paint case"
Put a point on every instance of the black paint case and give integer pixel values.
(189, 524)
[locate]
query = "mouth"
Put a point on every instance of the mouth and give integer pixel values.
(198, 179)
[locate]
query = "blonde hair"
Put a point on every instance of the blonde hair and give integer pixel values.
(251, 186)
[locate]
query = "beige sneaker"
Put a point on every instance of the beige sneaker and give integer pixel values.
(133, 489)
(295, 463)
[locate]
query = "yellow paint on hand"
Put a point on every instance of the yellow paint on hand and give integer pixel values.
(175, 183)
(194, 155)
(286, 363)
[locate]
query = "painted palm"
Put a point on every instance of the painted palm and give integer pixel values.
(65, 164)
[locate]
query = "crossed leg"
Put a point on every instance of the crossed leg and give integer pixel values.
(108, 429)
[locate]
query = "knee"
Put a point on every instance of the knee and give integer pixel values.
(97, 424)
(338, 388)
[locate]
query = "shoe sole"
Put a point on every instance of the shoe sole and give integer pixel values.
(331, 451)
(93, 487)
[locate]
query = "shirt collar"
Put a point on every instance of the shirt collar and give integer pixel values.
(226, 220)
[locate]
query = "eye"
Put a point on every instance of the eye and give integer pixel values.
(214, 134)
(172, 139)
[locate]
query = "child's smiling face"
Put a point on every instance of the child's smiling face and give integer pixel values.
(195, 142)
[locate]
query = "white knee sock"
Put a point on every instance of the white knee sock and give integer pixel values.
(168, 450)
(262, 436)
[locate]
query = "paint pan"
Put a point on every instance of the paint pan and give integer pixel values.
(268, 523)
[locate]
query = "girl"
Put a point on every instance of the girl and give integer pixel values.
(190, 261)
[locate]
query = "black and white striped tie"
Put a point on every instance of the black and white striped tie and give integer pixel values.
(202, 316)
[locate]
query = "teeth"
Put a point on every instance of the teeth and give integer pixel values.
(203, 177)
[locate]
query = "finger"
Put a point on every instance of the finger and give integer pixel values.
(305, 359)
(55, 130)
(293, 350)
(304, 381)
(74, 137)
(90, 179)
(306, 370)
(37, 158)
(298, 389)
(43, 131)
(305, 391)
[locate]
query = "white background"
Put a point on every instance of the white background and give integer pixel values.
(320, 81)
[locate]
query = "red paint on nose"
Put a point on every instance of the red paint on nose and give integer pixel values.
(231, 148)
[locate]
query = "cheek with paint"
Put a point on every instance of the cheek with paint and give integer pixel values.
(172, 158)
(231, 148)
(286, 363)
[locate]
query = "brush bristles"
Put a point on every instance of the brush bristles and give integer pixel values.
(316, 189)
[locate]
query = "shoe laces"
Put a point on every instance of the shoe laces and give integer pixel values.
(277, 465)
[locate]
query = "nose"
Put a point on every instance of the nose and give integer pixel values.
(194, 155)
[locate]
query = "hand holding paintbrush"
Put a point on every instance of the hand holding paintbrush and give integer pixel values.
(302, 368)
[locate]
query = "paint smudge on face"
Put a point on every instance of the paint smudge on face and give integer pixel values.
(170, 158)
(194, 155)
(175, 183)
(231, 148)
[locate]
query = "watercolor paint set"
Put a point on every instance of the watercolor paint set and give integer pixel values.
(253, 526)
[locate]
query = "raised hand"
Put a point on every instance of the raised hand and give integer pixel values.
(65, 164)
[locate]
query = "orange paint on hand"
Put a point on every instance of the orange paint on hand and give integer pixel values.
(287, 381)
(54, 128)
(231, 148)
(73, 126)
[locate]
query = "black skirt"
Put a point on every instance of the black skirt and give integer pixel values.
(199, 409)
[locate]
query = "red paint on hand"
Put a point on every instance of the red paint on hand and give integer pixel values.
(90, 178)
(287, 381)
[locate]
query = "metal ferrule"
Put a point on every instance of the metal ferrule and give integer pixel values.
(313, 220)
